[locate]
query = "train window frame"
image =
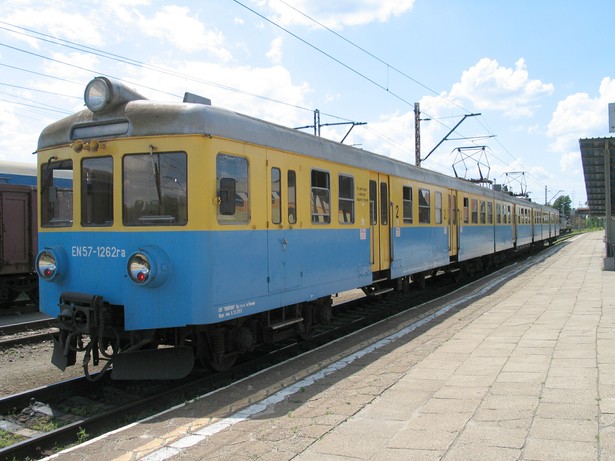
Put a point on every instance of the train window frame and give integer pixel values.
(172, 181)
(424, 206)
(276, 187)
(438, 207)
(56, 202)
(474, 210)
(483, 212)
(97, 205)
(407, 204)
(291, 188)
(236, 168)
(346, 202)
(498, 213)
(320, 187)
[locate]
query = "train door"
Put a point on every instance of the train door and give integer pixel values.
(379, 217)
(283, 242)
(453, 226)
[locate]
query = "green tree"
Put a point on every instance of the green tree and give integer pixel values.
(563, 204)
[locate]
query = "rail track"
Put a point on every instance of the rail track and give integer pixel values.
(35, 423)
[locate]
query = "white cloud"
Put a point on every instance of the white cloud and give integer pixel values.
(338, 14)
(274, 83)
(581, 116)
(489, 86)
(176, 25)
(275, 52)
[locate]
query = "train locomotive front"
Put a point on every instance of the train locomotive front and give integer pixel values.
(138, 270)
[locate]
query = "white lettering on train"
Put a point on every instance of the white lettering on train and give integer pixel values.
(86, 251)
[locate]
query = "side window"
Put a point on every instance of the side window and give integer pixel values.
(57, 194)
(482, 212)
(384, 203)
(276, 196)
(489, 212)
(233, 189)
(424, 206)
(97, 191)
(508, 215)
(498, 213)
(373, 204)
(438, 197)
(407, 203)
(292, 197)
(321, 197)
(155, 189)
(346, 199)
(466, 210)
(474, 211)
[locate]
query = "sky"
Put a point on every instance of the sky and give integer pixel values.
(530, 77)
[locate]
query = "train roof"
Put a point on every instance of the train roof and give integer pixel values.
(142, 117)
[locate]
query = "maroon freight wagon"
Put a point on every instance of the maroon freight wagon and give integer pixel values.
(18, 243)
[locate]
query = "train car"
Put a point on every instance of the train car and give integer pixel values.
(18, 232)
(193, 232)
(18, 243)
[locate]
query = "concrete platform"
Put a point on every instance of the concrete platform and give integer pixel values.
(525, 371)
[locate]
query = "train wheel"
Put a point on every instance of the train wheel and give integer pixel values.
(7, 297)
(214, 357)
(33, 295)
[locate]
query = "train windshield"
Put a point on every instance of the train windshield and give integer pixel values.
(155, 189)
(57, 194)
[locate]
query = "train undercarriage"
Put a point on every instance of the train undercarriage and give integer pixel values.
(91, 326)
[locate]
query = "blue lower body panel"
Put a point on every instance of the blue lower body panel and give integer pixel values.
(417, 249)
(213, 276)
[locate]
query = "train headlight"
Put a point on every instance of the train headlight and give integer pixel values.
(51, 264)
(103, 95)
(98, 94)
(149, 266)
(139, 268)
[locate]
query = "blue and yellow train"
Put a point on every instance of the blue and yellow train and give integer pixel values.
(193, 232)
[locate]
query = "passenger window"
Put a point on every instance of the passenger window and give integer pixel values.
(438, 205)
(346, 199)
(321, 197)
(232, 189)
(155, 189)
(474, 211)
(276, 196)
(292, 197)
(482, 212)
(407, 202)
(384, 203)
(97, 191)
(489, 213)
(373, 210)
(57, 194)
(452, 209)
(466, 210)
(498, 213)
(424, 207)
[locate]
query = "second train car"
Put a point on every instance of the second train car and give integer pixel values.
(194, 232)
